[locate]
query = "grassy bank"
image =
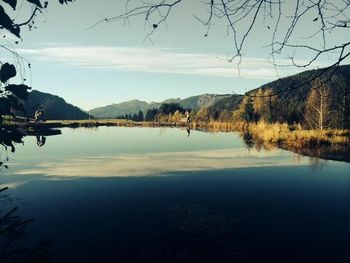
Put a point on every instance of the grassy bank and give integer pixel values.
(280, 134)
(284, 134)
(295, 136)
(326, 144)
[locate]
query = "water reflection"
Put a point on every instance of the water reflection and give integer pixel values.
(10, 136)
(40, 140)
(317, 163)
(123, 152)
(337, 152)
(248, 140)
(152, 164)
(142, 196)
(192, 233)
(13, 227)
(13, 232)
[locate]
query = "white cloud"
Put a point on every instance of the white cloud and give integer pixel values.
(151, 60)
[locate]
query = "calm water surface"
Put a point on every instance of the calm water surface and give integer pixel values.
(159, 195)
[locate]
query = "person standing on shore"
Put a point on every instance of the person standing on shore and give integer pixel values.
(38, 115)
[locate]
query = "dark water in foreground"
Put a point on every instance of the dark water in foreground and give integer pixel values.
(156, 195)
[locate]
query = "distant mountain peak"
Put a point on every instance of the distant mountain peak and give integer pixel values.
(135, 105)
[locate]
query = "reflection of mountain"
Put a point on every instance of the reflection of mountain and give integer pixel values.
(55, 107)
(134, 106)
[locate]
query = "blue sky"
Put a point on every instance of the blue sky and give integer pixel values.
(111, 62)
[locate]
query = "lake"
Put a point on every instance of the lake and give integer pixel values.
(117, 194)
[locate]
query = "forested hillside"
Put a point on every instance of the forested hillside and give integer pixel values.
(135, 106)
(320, 103)
(55, 107)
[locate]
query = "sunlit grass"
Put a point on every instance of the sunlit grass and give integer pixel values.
(268, 133)
(296, 136)
(283, 134)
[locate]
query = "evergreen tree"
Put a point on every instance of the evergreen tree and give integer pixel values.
(341, 103)
(134, 117)
(167, 108)
(140, 116)
(151, 114)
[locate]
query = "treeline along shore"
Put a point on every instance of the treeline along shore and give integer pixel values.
(327, 143)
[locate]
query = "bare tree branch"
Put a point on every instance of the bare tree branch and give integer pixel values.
(283, 18)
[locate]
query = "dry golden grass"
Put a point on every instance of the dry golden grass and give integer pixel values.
(280, 134)
(283, 134)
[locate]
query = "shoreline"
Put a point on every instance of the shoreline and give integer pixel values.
(325, 144)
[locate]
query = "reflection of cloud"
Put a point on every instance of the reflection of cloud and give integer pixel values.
(13, 185)
(151, 60)
(160, 163)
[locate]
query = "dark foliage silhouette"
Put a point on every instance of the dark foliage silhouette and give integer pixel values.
(10, 136)
(12, 231)
(12, 96)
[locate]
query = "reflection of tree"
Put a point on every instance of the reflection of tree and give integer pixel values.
(10, 136)
(340, 152)
(248, 140)
(317, 163)
(12, 231)
(12, 226)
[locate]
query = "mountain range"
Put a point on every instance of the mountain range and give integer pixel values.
(134, 106)
(55, 107)
(292, 93)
